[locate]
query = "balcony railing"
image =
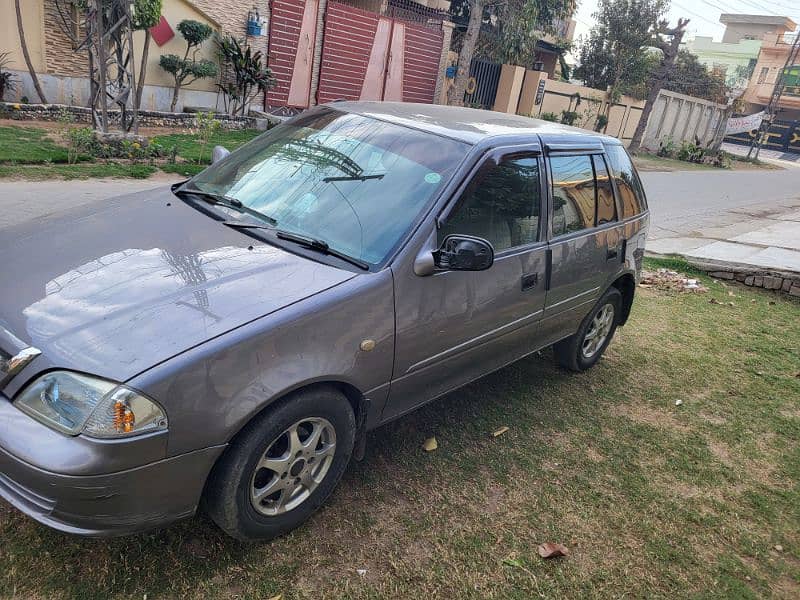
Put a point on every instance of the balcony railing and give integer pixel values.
(785, 39)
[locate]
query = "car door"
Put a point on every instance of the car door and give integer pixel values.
(454, 326)
(585, 241)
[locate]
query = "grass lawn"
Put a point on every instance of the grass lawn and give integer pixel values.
(77, 171)
(189, 149)
(30, 145)
(652, 499)
(36, 153)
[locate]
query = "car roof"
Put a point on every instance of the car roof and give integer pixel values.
(468, 125)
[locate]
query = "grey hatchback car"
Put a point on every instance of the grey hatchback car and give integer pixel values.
(226, 343)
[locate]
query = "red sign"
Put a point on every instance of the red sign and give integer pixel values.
(162, 33)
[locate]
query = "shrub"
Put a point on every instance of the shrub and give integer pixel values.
(80, 140)
(549, 116)
(207, 126)
(8, 80)
(667, 148)
(250, 76)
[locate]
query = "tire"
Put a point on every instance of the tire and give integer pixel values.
(265, 457)
(571, 353)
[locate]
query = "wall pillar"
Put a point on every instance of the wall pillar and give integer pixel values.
(527, 99)
(440, 92)
(509, 88)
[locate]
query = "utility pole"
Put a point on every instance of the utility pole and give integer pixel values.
(777, 92)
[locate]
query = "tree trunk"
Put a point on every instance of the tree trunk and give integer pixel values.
(143, 68)
(175, 92)
(657, 82)
(25, 53)
(455, 95)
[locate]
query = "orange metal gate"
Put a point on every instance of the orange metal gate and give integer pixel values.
(365, 56)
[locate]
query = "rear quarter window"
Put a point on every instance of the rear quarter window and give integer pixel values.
(629, 186)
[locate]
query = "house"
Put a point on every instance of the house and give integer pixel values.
(735, 56)
(318, 50)
(771, 61)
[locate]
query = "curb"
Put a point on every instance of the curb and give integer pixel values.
(787, 282)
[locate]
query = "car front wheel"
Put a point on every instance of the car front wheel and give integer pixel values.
(282, 466)
(582, 350)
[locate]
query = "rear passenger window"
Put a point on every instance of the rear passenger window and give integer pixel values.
(501, 204)
(606, 206)
(629, 187)
(573, 193)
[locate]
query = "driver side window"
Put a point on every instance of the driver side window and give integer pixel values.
(500, 204)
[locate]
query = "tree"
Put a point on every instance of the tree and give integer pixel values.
(512, 33)
(186, 70)
(516, 26)
(691, 77)
(617, 56)
(26, 55)
(146, 14)
(670, 51)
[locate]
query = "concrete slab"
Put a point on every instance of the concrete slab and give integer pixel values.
(743, 254)
(675, 245)
(784, 234)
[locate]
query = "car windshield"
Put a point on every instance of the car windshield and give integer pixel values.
(356, 183)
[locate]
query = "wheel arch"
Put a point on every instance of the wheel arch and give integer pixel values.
(354, 396)
(626, 284)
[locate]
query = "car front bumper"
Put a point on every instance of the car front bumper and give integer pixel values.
(130, 501)
(97, 487)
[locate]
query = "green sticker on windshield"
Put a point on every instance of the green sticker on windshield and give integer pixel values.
(433, 177)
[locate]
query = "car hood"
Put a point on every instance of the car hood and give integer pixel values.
(121, 285)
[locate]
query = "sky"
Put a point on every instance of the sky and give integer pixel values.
(704, 14)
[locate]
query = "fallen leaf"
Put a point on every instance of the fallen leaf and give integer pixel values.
(753, 300)
(778, 547)
(499, 431)
(361, 572)
(430, 444)
(678, 402)
(278, 597)
(731, 304)
(552, 550)
(731, 294)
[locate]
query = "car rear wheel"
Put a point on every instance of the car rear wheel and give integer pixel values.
(282, 466)
(582, 350)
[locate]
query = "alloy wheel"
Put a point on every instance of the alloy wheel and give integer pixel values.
(598, 331)
(292, 467)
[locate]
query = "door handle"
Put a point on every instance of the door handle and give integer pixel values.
(529, 281)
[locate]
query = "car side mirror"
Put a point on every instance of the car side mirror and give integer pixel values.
(218, 153)
(464, 253)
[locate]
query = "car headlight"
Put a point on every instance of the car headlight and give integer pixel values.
(74, 403)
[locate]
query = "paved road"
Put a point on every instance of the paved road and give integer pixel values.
(750, 217)
(24, 200)
(743, 217)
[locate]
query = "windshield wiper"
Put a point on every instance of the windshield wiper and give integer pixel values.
(227, 202)
(319, 246)
(306, 241)
(354, 177)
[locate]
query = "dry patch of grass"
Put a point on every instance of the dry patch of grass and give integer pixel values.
(652, 499)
